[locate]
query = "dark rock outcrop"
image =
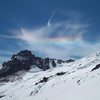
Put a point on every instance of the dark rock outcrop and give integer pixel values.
(44, 80)
(53, 63)
(60, 73)
(46, 64)
(96, 67)
(70, 60)
(25, 57)
(67, 61)
(60, 61)
(21, 61)
(1, 96)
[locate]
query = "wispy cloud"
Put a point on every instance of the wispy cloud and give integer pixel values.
(57, 32)
(9, 37)
(49, 21)
(62, 39)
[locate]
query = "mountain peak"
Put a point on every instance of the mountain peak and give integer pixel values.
(23, 60)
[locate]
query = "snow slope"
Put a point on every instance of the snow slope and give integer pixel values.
(78, 82)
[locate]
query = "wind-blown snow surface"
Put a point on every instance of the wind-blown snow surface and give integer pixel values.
(79, 83)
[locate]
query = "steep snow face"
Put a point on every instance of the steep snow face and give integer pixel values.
(70, 81)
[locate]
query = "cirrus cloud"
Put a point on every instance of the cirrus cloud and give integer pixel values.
(63, 39)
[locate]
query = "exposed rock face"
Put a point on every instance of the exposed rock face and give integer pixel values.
(53, 63)
(25, 57)
(21, 61)
(24, 60)
(96, 67)
(11, 67)
(70, 60)
(60, 61)
(67, 61)
(60, 73)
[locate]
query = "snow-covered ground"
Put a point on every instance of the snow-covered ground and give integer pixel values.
(77, 83)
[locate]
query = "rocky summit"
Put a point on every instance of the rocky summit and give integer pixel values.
(24, 60)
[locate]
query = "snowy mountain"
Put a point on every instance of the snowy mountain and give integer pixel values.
(25, 61)
(78, 80)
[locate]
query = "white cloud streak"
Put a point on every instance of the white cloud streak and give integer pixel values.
(9, 37)
(58, 40)
(49, 21)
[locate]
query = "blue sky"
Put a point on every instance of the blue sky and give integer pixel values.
(49, 28)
